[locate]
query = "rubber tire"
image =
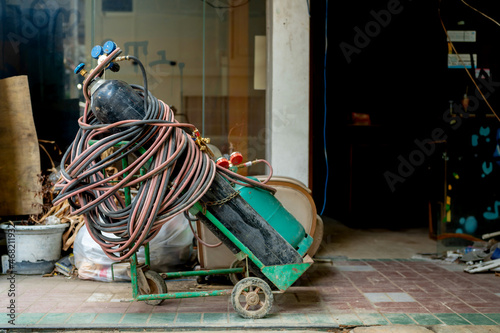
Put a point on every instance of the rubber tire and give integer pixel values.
(157, 286)
(237, 277)
(252, 282)
(201, 280)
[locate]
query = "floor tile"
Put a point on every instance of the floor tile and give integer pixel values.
(108, 318)
(135, 318)
(372, 319)
(494, 316)
(401, 297)
(191, 318)
(103, 307)
(478, 319)
(425, 319)
(65, 308)
(271, 319)
(28, 318)
(235, 318)
(158, 318)
(452, 319)
(377, 297)
(100, 297)
(136, 307)
(295, 318)
(363, 268)
(81, 318)
(347, 319)
(215, 318)
(4, 321)
(322, 318)
(41, 306)
(349, 292)
(399, 319)
(54, 319)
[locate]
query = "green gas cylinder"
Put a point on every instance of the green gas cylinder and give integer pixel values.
(267, 206)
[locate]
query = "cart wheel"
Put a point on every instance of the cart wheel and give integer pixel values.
(201, 280)
(156, 285)
(252, 298)
(237, 277)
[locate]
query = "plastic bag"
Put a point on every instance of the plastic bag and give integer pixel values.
(172, 246)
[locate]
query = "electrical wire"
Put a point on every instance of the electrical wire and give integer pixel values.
(480, 12)
(325, 110)
(463, 63)
(159, 158)
(198, 238)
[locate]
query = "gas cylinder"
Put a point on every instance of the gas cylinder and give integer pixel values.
(115, 100)
(274, 213)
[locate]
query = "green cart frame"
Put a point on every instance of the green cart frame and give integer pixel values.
(251, 297)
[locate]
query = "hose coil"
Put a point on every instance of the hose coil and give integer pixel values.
(159, 158)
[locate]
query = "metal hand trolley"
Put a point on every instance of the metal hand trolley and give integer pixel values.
(250, 221)
(251, 238)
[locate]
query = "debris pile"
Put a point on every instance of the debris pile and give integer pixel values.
(481, 256)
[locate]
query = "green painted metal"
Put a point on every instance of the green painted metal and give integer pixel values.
(204, 273)
(133, 276)
(304, 245)
(240, 255)
(113, 270)
(283, 276)
(134, 262)
(147, 256)
(184, 295)
(267, 206)
(198, 208)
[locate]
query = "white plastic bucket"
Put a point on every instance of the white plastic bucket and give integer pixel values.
(33, 248)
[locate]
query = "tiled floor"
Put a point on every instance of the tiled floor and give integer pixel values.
(330, 294)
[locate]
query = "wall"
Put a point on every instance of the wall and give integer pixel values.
(169, 31)
(214, 44)
(288, 88)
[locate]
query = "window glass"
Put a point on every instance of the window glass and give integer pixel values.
(43, 40)
(199, 56)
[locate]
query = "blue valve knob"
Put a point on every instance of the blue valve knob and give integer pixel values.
(79, 68)
(109, 47)
(96, 51)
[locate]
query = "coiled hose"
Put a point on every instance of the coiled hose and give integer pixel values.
(166, 164)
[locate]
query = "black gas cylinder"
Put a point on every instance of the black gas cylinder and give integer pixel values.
(115, 100)
(246, 225)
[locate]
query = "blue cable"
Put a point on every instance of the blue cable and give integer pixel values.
(325, 110)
